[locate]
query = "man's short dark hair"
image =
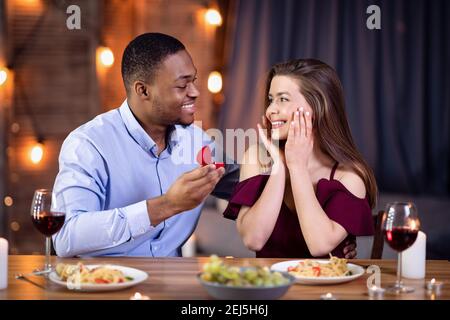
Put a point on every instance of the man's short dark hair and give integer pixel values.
(143, 55)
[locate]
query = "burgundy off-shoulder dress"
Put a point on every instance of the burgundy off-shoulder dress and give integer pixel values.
(352, 213)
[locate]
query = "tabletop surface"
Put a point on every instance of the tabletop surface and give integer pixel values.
(175, 278)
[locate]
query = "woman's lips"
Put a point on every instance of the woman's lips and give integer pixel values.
(277, 124)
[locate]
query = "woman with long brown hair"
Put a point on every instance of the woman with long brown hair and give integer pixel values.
(319, 191)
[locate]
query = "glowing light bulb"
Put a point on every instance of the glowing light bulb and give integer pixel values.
(8, 201)
(215, 82)
(3, 76)
(106, 56)
(213, 17)
(37, 152)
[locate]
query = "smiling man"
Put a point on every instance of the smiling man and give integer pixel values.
(125, 190)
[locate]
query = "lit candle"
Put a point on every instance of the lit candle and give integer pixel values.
(3, 263)
(434, 287)
(376, 292)
(138, 296)
(328, 296)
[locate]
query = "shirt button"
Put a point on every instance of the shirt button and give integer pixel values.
(155, 247)
(141, 230)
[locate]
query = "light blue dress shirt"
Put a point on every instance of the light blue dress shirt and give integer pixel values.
(108, 168)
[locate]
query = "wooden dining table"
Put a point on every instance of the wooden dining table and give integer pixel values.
(175, 279)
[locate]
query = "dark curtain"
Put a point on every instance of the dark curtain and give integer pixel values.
(396, 80)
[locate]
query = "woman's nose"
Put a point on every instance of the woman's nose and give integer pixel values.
(272, 109)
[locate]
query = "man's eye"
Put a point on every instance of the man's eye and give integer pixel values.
(182, 87)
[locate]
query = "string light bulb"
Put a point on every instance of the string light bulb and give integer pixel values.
(106, 56)
(37, 152)
(215, 82)
(213, 17)
(3, 75)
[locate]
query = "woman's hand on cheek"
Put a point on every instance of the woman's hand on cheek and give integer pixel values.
(273, 150)
(299, 144)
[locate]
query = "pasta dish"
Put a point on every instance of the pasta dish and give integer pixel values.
(79, 273)
(336, 267)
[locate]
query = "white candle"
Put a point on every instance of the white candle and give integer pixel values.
(3, 263)
(434, 287)
(139, 296)
(328, 296)
(376, 292)
(414, 258)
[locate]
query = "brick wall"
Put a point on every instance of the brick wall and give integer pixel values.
(58, 85)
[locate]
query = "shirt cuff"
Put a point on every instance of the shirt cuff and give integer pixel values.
(138, 219)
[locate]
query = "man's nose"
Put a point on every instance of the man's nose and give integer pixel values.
(193, 91)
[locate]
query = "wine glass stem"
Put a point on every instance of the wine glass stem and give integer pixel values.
(48, 244)
(399, 270)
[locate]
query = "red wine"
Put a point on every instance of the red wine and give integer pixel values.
(400, 238)
(49, 223)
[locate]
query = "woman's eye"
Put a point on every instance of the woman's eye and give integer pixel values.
(182, 87)
(283, 99)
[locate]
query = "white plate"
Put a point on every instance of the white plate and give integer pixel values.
(137, 275)
(357, 271)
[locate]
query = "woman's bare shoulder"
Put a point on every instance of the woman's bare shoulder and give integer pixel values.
(351, 180)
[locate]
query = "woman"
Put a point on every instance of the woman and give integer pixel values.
(320, 191)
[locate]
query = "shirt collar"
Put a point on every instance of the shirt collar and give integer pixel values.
(139, 134)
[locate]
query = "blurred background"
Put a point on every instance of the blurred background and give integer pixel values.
(55, 76)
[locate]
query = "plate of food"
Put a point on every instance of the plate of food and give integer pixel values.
(226, 282)
(98, 277)
(319, 272)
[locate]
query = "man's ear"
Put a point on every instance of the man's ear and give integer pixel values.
(141, 89)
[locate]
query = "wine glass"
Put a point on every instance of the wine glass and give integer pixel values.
(400, 227)
(48, 215)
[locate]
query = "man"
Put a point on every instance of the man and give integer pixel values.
(126, 191)
(123, 189)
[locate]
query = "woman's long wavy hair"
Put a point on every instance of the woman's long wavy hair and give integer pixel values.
(323, 90)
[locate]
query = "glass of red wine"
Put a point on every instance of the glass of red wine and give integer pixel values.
(48, 215)
(400, 227)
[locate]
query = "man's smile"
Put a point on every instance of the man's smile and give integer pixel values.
(188, 107)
